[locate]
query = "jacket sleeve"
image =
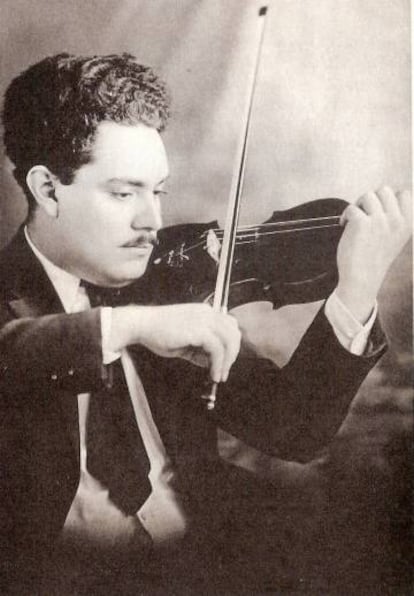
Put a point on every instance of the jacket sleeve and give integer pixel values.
(59, 351)
(294, 411)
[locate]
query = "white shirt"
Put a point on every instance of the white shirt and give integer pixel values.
(93, 515)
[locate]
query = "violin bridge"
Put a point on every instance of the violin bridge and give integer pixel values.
(213, 246)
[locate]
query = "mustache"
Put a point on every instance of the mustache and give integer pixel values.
(143, 239)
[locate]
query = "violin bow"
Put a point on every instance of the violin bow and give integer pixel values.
(221, 294)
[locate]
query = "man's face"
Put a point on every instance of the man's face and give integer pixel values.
(108, 217)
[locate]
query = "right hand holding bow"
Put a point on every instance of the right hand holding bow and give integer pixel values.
(193, 332)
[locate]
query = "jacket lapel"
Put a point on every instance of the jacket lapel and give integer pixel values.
(24, 281)
(29, 293)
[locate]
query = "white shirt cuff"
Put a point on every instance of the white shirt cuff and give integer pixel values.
(108, 356)
(350, 333)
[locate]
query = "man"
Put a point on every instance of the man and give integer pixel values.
(106, 446)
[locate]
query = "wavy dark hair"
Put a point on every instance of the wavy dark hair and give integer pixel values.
(52, 109)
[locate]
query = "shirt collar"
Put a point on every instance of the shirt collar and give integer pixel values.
(65, 284)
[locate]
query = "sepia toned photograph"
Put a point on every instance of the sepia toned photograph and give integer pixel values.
(206, 368)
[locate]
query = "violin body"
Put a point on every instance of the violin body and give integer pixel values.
(289, 259)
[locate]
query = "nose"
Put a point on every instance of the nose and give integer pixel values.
(147, 212)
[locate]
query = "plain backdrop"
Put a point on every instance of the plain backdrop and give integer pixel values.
(331, 118)
(332, 108)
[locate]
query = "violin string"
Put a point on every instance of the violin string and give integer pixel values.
(255, 229)
(279, 224)
(259, 234)
(243, 237)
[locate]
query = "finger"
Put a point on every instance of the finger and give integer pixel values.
(214, 348)
(370, 204)
(195, 356)
(226, 324)
(406, 205)
(352, 213)
(389, 201)
(230, 354)
(228, 330)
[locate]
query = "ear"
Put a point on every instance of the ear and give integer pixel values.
(42, 184)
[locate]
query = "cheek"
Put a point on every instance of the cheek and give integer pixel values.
(98, 220)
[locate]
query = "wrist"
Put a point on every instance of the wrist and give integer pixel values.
(127, 326)
(359, 301)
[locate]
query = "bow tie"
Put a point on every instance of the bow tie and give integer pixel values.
(103, 296)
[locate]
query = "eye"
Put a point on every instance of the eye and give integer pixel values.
(121, 195)
(160, 192)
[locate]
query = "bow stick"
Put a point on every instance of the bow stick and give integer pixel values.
(221, 294)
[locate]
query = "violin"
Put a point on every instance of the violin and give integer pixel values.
(288, 259)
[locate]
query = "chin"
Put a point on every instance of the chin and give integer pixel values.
(127, 275)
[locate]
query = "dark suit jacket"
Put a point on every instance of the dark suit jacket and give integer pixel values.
(47, 357)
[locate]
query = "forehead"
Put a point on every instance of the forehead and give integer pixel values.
(128, 150)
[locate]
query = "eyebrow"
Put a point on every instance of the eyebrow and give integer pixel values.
(131, 182)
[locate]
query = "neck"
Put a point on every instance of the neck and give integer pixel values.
(45, 238)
